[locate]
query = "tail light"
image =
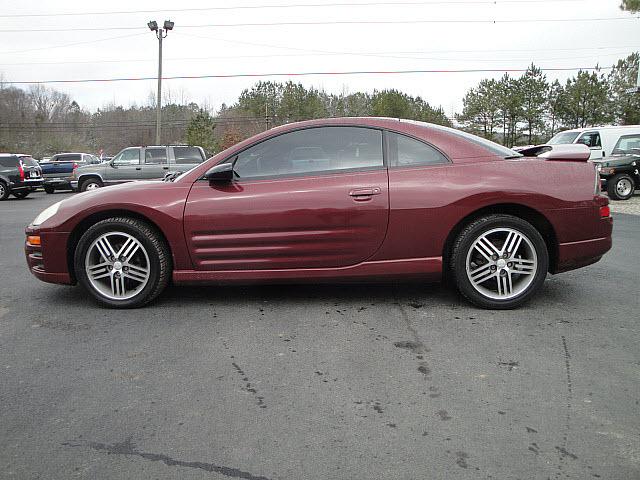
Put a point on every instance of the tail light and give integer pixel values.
(605, 211)
(21, 170)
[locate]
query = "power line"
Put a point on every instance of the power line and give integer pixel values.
(86, 42)
(333, 22)
(304, 74)
(387, 55)
(281, 6)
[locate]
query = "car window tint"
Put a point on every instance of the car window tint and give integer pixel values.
(590, 139)
(187, 155)
(66, 158)
(313, 150)
(155, 155)
(130, 156)
(8, 161)
(406, 151)
(29, 161)
(627, 143)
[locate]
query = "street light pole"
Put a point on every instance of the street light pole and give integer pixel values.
(160, 34)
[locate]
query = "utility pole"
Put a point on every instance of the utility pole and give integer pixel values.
(160, 34)
(266, 115)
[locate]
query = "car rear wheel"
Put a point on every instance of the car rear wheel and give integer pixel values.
(4, 191)
(49, 189)
(20, 195)
(499, 261)
(621, 187)
(122, 262)
(90, 184)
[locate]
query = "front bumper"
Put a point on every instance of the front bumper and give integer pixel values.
(48, 261)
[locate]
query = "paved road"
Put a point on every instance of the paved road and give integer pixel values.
(334, 382)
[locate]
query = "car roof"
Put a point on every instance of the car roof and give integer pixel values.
(604, 127)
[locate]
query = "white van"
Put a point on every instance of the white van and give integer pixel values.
(600, 140)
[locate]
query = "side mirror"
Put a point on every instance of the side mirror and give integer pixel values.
(220, 173)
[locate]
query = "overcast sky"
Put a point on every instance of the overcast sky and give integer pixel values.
(29, 55)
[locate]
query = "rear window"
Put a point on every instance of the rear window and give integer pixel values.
(8, 161)
(29, 162)
(492, 147)
(188, 155)
(67, 157)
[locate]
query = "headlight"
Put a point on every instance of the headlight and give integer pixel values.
(46, 214)
(607, 170)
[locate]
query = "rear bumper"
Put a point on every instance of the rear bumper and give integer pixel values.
(574, 255)
(57, 182)
(26, 184)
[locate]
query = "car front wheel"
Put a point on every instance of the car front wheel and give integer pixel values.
(122, 262)
(21, 194)
(499, 261)
(621, 187)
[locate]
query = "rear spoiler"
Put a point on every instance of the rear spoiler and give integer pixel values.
(573, 152)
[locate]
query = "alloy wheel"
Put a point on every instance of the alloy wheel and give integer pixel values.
(117, 265)
(501, 263)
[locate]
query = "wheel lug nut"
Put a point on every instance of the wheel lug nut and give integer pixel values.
(506, 255)
(109, 267)
(493, 268)
(502, 273)
(509, 264)
(494, 257)
(125, 269)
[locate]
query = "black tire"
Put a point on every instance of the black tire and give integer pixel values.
(21, 194)
(156, 249)
(618, 187)
(89, 183)
(465, 242)
(4, 191)
(49, 189)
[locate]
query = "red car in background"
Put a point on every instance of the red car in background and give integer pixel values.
(348, 199)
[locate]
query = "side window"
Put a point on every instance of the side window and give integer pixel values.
(590, 139)
(406, 151)
(313, 150)
(627, 144)
(8, 162)
(130, 156)
(155, 156)
(187, 155)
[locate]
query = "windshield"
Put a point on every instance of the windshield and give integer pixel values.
(563, 138)
(627, 144)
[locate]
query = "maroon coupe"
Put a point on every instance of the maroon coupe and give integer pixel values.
(349, 199)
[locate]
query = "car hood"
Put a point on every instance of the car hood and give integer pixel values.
(618, 160)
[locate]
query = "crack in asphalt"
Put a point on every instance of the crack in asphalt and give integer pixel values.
(129, 448)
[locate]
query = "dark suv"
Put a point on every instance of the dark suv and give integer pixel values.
(19, 175)
(619, 172)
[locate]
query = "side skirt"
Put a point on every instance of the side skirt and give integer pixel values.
(425, 269)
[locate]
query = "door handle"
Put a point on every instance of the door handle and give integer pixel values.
(365, 192)
(165, 168)
(138, 168)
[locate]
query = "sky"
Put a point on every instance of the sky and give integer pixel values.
(47, 40)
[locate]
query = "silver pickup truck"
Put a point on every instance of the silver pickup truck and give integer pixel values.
(138, 163)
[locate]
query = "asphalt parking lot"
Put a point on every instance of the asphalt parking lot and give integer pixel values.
(402, 381)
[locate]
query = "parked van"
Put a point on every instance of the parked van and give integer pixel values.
(600, 140)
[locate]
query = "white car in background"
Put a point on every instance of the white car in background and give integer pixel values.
(600, 140)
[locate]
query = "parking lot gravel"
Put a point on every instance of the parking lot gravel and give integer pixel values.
(396, 381)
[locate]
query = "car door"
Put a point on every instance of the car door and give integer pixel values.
(310, 198)
(124, 167)
(155, 163)
(592, 140)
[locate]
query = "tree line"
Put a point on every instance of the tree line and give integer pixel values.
(512, 110)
